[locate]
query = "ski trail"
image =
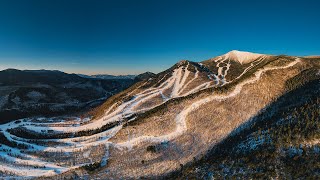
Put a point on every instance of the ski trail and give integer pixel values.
(185, 76)
(227, 69)
(110, 108)
(125, 108)
(81, 143)
(251, 66)
(181, 117)
(163, 96)
(194, 78)
(200, 87)
(221, 72)
(177, 84)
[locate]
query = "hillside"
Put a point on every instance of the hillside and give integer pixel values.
(46, 93)
(108, 76)
(236, 115)
(281, 141)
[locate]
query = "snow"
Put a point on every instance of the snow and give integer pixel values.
(242, 57)
(181, 126)
(35, 95)
(163, 96)
(200, 87)
(185, 76)
(223, 68)
(196, 75)
(261, 59)
(106, 156)
(253, 142)
(177, 85)
(86, 154)
(178, 81)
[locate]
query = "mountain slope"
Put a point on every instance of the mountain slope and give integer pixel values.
(108, 76)
(42, 92)
(163, 124)
(281, 141)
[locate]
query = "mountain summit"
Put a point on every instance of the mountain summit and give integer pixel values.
(242, 57)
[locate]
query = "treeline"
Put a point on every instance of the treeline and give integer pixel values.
(4, 140)
(28, 134)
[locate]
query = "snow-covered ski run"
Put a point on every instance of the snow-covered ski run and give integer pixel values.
(31, 166)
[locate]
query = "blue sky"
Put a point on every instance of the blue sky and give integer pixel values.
(134, 36)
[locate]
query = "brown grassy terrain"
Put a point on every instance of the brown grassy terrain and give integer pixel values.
(207, 125)
(149, 103)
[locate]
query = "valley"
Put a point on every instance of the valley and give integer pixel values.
(52, 93)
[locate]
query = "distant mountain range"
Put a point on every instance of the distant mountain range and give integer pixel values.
(136, 78)
(107, 76)
(25, 93)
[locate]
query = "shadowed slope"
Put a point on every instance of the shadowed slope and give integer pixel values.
(274, 143)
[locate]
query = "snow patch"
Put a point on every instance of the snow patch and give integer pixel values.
(35, 95)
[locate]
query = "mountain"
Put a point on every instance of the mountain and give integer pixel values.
(281, 140)
(239, 115)
(144, 76)
(17, 77)
(242, 57)
(107, 76)
(43, 92)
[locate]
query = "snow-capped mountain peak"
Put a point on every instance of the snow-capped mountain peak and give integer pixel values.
(242, 57)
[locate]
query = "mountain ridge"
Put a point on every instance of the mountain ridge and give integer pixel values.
(26, 93)
(242, 57)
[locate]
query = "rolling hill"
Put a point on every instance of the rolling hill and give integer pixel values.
(45, 93)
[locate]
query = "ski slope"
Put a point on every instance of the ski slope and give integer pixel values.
(29, 166)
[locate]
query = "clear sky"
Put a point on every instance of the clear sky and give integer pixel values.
(134, 36)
